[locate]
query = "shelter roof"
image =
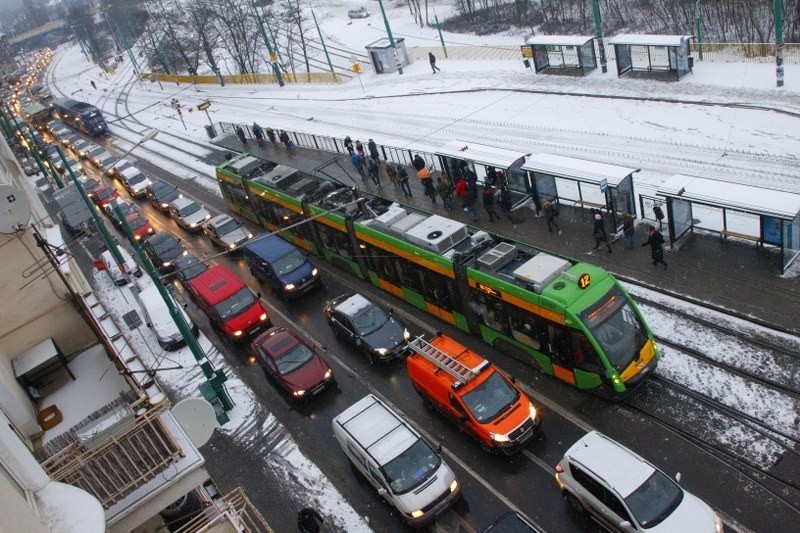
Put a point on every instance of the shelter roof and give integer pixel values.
(559, 40)
(736, 196)
(481, 153)
(578, 169)
(640, 39)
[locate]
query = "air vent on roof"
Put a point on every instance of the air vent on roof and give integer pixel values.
(437, 233)
(303, 186)
(498, 257)
(541, 270)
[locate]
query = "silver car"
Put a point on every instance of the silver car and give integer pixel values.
(226, 232)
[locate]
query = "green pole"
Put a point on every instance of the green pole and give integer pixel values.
(698, 30)
(209, 53)
(325, 48)
(216, 378)
(391, 37)
(127, 47)
(441, 38)
(598, 26)
(272, 57)
(779, 41)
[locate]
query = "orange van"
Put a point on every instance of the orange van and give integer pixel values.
(468, 389)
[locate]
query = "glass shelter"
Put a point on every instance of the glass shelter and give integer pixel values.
(662, 56)
(735, 211)
(564, 53)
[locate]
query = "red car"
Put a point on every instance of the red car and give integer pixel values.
(292, 363)
(102, 195)
(140, 226)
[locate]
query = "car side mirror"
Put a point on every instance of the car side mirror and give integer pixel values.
(678, 477)
(625, 526)
(439, 447)
(381, 492)
(513, 379)
(149, 324)
(258, 295)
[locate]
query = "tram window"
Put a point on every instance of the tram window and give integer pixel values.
(439, 290)
(583, 354)
(491, 311)
(559, 344)
(334, 240)
(381, 262)
(233, 193)
(262, 208)
(285, 217)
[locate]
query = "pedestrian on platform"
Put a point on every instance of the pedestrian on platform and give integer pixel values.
(469, 203)
(287, 142)
(443, 188)
(391, 173)
(309, 520)
(358, 162)
(506, 204)
(360, 150)
(373, 150)
(656, 242)
(550, 214)
(240, 134)
(432, 59)
(488, 202)
(348, 143)
(402, 175)
(461, 189)
(94, 85)
(418, 163)
(628, 231)
(426, 179)
(599, 232)
(258, 132)
(374, 171)
(271, 135)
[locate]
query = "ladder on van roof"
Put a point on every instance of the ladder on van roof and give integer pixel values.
(445, 361)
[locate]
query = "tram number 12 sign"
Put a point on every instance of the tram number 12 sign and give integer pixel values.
(584, 280)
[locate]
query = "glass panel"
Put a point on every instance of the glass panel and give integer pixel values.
(681, 213)
(791, 241)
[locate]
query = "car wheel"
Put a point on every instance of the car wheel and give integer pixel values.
(575, 503)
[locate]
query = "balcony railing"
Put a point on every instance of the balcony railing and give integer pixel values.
(236, 510)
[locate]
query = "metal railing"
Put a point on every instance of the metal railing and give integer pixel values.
(237, 510)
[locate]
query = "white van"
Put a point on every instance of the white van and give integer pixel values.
(157, 317)
(404, 468)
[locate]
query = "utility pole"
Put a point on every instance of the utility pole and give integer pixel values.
(439, 29)
(391, 38)
(698, 30)
(779, 41)
(598, 26)
(209, 54)
(325, 48)
(273, 58)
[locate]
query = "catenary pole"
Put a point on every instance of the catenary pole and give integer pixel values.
(779, 41)
(325, 48)
(598, 26)
(698, 30)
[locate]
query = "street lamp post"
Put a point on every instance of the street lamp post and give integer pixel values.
(698, 30)
(391, 38)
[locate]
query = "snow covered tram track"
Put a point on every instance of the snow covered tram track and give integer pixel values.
(726, 436)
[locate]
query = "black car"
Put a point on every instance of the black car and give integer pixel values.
(367, 326)
(163, 249)
(161, 194)
(187, 268)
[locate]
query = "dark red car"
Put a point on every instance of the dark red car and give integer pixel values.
(140, 226)
(102, 195)
(292, 363)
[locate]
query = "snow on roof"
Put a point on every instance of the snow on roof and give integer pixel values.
(481, 153)
(736, 196)
(640, 39)
(560, 40)
(353, 305)
(577, 169)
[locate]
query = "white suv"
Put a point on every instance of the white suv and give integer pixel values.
(623, 492)
(189, 214)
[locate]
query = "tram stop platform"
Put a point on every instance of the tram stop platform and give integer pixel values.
(738, 276)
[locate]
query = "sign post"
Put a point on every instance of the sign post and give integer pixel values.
(203, 106)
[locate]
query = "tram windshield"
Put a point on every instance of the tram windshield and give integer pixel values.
(616, 327)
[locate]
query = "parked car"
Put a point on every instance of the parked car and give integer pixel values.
(624, 492)
(97, 155)
(163, 249)
(118, 167)
(140, 226)
(161, 194)
(157, 316)
(125, 207)
(102, 195)
(110, 265)
(187, 268)
(358, 13)
(134, 181)
(81, 147)
(367, 326)
(226, 232)
(292, 363)
(189, 214)
(281, 265)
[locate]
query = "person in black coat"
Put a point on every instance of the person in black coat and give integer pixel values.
(418, 163)
(240, 134)
(656, 242)
(373, 150)
(600, 235)
(348, 143)
(488, 202)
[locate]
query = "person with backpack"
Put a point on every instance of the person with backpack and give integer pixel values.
(443, 188)
(402, 175)
(488, 202)
(358, 162)
(426, 179)
(599, 232)
(258, 132)
(550, 214)
(374, 171)
(240, 134)
(656, 242)
(506, 204)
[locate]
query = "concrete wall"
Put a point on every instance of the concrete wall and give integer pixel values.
(16, 510)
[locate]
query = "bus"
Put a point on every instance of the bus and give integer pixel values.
(572, 320)
(36, 115)
(80, 115)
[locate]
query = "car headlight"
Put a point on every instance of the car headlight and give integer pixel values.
(289, 286)
(328, 374)
(165, 206)
(150, 230)
(499, 438)
(406, 334)
(263, 317)
(137, 237)
(249, 235)
(299, 393)
(314, 272)
(208, 216)
(718, 525)
(237, 333)
(166, 263)
(416, 514)
(454, 485)
(232, 245)
(381, 351)
(532, 410)
(193, 225)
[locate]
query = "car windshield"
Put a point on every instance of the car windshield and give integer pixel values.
(195, 269)
(411, 468)
(162, 246)
(161, 187)
(190, 209)
(369, 320)
(137, 178)
(227, 227)
(289, 262)
(654, 500)
(616, 327)
(236, 304)
(491, 398)
(294, 357)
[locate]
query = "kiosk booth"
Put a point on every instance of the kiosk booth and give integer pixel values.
(662, 56)
(565, 53)
(734, 210)
(555, 177)
(384, 58)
